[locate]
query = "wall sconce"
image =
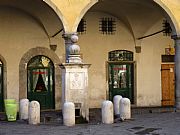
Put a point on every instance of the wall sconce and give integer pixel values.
(138, 49)
(53, 47)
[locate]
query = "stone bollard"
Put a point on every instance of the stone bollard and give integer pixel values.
(34, 112)
(125, 108)
(69, 114)
(23, 109)
(107, 112)
(116, 101)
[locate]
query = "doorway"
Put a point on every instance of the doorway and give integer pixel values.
(168, 84)
(41, 81)
(1, 88)
(121, 74)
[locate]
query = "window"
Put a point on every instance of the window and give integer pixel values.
(120, 55)
(81, 27)
(107, 26)
(39, 76)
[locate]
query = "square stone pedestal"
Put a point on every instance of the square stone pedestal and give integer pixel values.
(75, 87)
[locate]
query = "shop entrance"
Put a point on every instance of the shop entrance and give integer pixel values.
(121, 74)
(1, 88)
(41, 81)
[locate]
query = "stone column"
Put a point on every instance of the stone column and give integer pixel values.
(75, 78)
(177, 71)
(68, 43)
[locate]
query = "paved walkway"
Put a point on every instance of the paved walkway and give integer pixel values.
(141, 124)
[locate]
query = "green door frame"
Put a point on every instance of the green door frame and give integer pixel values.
(46, 98)
(1, 88)
(115, 87)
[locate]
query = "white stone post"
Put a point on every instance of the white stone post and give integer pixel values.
(107, 112)
(116, 101)
(69, 114)
(23, 109)
(125, 108)
(34, 112)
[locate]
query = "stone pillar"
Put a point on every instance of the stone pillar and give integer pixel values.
(69, 114)
(68, 43)
(177, 71)
(125, 108)
(116, 101)
(107, 112)
(34, 112)
(24, 109)
(75, 79)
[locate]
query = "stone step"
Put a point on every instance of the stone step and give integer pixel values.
(50, 117)
(145, 110)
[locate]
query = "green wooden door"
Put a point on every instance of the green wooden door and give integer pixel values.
(121, 76)
(41, 85)
(1, 89)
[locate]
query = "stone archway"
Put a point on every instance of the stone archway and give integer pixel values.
(109, 8)
(170, 16)
(58, 12)
(4, 76)
(3, 81)
(23, 72)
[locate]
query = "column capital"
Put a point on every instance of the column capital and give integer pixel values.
(68, 35)
(72, 49)
(175, 37)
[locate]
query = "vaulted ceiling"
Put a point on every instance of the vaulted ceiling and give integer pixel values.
(137, 15)
(38, 10)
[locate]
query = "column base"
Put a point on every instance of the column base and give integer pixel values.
(178, 105)
(75, 59)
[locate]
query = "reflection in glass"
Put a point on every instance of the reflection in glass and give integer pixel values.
(40, 74)
(119, 76)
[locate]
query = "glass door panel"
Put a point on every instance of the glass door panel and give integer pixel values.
(120, 80)
(1, 89)
(41, 81)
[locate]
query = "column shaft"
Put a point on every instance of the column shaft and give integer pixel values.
(68, 43)
(177, 73)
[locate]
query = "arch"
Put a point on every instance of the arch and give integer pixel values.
(173, 21)
(58, 12)
(4, 76)
(83, 12)
(171, 17)
(23, 72)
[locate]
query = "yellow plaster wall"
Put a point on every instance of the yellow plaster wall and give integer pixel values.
(95, 47)
(19, 33)
(149, 67)
(71, 11)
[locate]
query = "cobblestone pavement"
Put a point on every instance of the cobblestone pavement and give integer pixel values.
(141, 124)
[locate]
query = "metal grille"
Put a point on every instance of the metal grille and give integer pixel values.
(82, 27)
(167, 28)
(120, 55)
(107, 26)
